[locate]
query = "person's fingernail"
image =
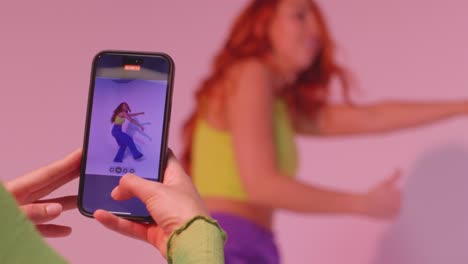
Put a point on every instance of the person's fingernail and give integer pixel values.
(54, 209)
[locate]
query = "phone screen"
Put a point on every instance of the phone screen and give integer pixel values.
(126, 130)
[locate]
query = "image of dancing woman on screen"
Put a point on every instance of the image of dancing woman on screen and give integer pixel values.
(122, 113)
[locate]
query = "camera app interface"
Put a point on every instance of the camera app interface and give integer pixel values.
(126, 128)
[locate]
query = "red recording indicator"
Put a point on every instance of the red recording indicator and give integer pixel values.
(132, 67)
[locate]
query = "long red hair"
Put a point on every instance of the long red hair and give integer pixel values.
(248, 38)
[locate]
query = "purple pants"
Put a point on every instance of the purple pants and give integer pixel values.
(246, 242)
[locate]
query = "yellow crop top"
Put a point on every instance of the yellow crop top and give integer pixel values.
(119, 120)
(213, 164)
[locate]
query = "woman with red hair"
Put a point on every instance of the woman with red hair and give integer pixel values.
(270, 82)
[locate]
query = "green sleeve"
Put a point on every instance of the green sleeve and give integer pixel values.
(199, 241)
(20, 242)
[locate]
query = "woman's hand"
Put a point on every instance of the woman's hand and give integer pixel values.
(30, 188)
(384, 199)
(171, 204)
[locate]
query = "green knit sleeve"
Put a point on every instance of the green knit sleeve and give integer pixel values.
(199, 241)
(20, 242)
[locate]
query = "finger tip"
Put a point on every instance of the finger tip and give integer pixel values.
(127, 176)
(99, 213)
(114, 192)
(128, 180)
(52, 231)
(68, 230)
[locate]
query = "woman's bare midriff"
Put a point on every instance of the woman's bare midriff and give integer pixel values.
(257, 214)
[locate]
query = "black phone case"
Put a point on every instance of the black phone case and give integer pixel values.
(165, 134)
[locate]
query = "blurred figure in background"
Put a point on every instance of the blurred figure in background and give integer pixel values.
(269, 83)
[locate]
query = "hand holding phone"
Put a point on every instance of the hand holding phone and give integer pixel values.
(171, 205)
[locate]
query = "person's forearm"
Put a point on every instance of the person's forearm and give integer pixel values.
(394, 115)
(388, 116)
(134, 122)
(137, 114)
(285, 193)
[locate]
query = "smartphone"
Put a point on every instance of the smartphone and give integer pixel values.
(126, 130)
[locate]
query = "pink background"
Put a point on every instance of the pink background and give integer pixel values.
(400, 49)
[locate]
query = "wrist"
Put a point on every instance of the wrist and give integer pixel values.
(359, 205)
(186, 218)
(463, 107)
(199, 240)
(459, 108)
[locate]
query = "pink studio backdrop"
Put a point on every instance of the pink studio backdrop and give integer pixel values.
(401, 49)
